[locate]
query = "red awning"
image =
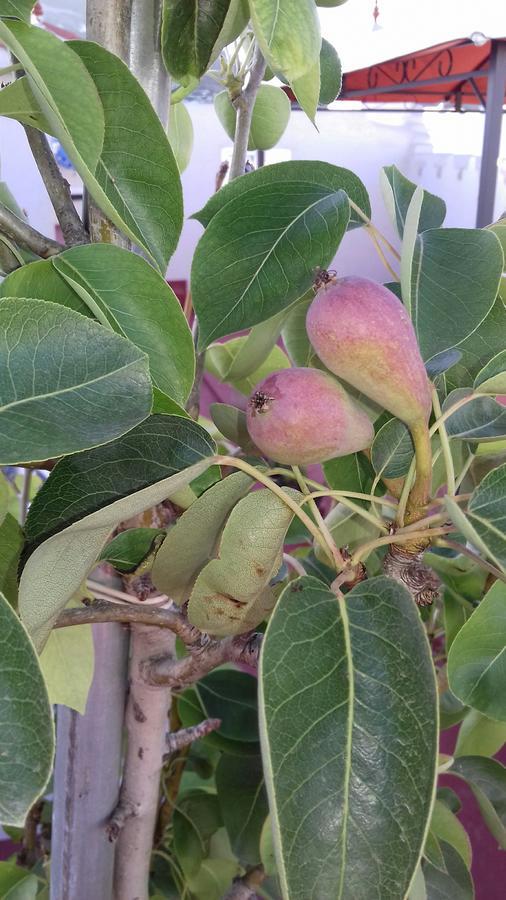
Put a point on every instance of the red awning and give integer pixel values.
(456, 70)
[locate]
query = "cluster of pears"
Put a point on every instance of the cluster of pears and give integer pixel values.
(362, 333)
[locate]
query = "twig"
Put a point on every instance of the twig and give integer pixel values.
(26, 236)
(57, 187)
(221, 174)
(124, 811)
(244, 887)
(176, 740)
(24, 499)
(294, 564)
(104, 611)
(179, 673)
(244, 106)
(193, 404)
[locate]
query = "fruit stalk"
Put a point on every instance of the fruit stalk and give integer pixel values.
(419, 495)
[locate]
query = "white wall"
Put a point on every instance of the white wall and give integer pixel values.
(439, 150)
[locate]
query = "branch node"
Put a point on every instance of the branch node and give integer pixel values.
(177, 740)
(125, 810)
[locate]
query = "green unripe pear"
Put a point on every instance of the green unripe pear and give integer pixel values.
(271, 114)
(330, 2)
(303, 416)
(364, 335)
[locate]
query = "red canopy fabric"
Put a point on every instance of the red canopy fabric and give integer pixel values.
(455, 70)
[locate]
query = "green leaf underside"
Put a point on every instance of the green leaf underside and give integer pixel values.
(288, 37)
(192, 541)
(392, 450)
(484, 522)
(477, 657)
(67, 663)
(492, 377)
(18, 102)
(454, 281)
(190, 30)
(87, 495)
(139, 304)
(66, 383)
(137, 173)
(310, 173)
(398, 192)
(220, 362)
(27, 735)
(258, 255)
(11, 542)
(232, 594)
(482, 419)
(348, 725)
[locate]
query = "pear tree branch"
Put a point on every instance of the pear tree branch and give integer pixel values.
(27, 237)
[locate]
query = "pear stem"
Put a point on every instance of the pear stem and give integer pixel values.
(419, 495)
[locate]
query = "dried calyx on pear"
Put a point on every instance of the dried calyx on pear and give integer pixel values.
(300, 416)
(364, 335)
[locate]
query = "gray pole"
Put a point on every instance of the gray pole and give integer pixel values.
(492, 133)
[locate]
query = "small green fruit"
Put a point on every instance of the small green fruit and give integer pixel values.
(271, 113)
(303, 416)
(330, 74)
(364, 335)
(330, 2)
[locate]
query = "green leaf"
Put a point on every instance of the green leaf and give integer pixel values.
(433, 853)
(231, 422)
(18, 102)
(124, 290)
(408, 247)
(446, 827)
(255, 349)
(350, 473)
(67, 663)
(66, 383)
(307, 90)
(456, 881)
(482, 419)
(397, 194)
(331, 75)
(87, 495)
(294, 334)
(191, 712)
(417, 890)
(348, 724)
(180, 134)
(480, 736)
(392, 450)
(191, 542)
(442, 362)
(17, 883)
(271, 114)
(41, 280)
(235, 22)
(195, 820)
(27, 734)
(129, 548)
(189, 33)
(243, 803)
(136, 182)
(479, 348)
(240, 277)
(231, 594)
(267, 854)
(221, 359)
(455, 615)
(348, 529)
(477, 657)
(231, 695)
(483, 523)
(289, 39)
(11, 542)
(492, 378)
(455, 277)
(213, 880)
(308, 173)
(487, 780)
(19, 9)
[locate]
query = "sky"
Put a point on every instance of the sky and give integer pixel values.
(405, 25)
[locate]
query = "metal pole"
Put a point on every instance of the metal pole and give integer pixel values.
(492, 133)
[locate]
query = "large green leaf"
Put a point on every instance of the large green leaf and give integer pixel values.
(348, 723)
(87, 495)
(397, 194)
(190, 29)
(231, 594)
(134, 300)
(19, 9)
(477, 657)
(487, 780)
(479, 348)
(11, 542)
(243, 803)
(484, 522)
(454, 281)
(192, 541)
(221, 362)
(27, 734)
(18, 102)
(288, 35)
(66, 383)
(136, 181)
(242, 276)
(309, 172)
(231, 696)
